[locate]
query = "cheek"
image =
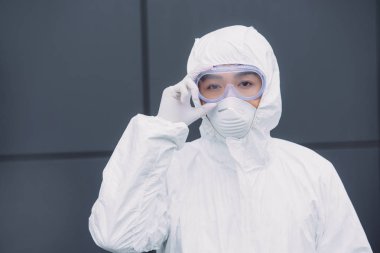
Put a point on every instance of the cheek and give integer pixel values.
(255, 103)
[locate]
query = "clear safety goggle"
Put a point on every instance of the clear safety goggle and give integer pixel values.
(247, 83)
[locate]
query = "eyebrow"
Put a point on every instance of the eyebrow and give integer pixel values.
(210, 76)
(216, 76)
(246, 73)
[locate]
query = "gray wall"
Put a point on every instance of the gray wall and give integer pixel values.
(72, 74)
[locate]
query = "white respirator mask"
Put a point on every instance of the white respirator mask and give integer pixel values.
(232, 117)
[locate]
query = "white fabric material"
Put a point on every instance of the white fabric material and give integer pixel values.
(256, 194)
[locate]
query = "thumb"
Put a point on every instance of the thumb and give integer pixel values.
(204, 109)
(199, 112)
(208, 107)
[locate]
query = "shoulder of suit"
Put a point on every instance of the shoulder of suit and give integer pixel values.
(300, 153)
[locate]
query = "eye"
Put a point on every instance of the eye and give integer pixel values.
(246, 84)
(213, 86)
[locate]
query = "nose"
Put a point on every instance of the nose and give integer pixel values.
(230, 90)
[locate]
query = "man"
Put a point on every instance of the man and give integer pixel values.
(236, 189)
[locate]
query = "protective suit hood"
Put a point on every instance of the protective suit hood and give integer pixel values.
(242, 45)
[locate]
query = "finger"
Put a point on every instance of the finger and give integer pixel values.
(194, 90)
(208, 107)
(201, 111)
(175, 91)
(184, 93)
(181, 90)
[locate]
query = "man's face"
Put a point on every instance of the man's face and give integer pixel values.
(244, 83)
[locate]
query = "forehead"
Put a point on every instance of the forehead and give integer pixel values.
(229, 75)
(231, 71)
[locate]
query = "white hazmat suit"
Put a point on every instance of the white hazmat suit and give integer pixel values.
(223, 195)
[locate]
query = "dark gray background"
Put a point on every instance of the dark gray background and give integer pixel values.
(73, 73)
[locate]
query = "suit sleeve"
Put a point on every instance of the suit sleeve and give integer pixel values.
(130, 214)
(340, 228)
